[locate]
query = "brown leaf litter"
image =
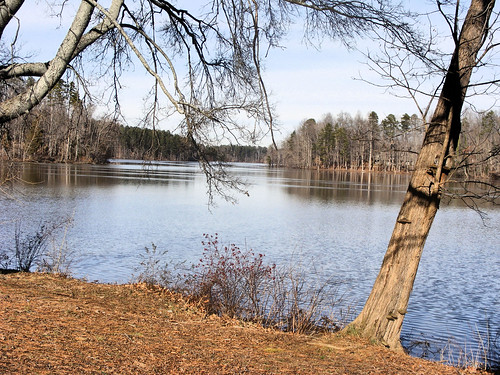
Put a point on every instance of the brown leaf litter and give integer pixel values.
(55, 325)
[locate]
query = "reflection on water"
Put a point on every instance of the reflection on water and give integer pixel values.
(90, 175)
(360, 187)
(339, 222)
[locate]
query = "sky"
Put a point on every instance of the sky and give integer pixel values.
(304, 82)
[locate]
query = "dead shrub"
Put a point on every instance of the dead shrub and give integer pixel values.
(152, 268)
(238, 283)
(30, 249)
(230, 281)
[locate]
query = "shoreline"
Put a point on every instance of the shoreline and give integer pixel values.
(492, 177)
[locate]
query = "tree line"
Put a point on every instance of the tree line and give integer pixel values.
(390, 144)
(143, 143)
(39, 136)
(334, 142)
(61, 128)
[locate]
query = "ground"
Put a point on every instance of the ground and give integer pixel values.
(55, 325)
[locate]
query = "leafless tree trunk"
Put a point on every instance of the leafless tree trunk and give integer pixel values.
(383, 314)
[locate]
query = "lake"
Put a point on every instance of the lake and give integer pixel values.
(337, 224)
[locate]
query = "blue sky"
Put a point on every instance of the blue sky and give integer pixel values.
(304, 82)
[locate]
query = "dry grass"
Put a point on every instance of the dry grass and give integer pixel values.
(51, 324)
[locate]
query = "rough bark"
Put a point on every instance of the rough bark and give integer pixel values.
(23, 103)
(382, 316)
(8, 9)
(74, 43)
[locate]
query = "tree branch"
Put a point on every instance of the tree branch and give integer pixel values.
(40, 68)
(24, 102)
(8, 10)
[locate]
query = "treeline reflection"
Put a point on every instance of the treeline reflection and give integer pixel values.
(342, 185)
(91, 175)
(303, 184)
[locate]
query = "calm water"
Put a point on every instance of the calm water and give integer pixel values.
(336, 223)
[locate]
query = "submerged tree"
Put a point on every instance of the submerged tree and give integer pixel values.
(383, 314)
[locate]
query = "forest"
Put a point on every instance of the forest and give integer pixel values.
(333, 142)
(389, 144)
(39, 136)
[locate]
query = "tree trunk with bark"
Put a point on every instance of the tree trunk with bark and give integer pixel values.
(74, 43)
(382, 316)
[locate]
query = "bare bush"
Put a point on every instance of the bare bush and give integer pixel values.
(230, 281)
(152, 270)
(238, 283)
(4, 260)
(31, 248)
(297, 303)
(58, 258)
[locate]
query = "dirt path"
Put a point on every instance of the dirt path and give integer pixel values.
(56, 325)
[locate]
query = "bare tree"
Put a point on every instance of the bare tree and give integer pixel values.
(384, 311)
(219, 49)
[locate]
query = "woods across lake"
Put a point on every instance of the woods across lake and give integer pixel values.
(390, 144)
(333, 142)
(39, 136)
